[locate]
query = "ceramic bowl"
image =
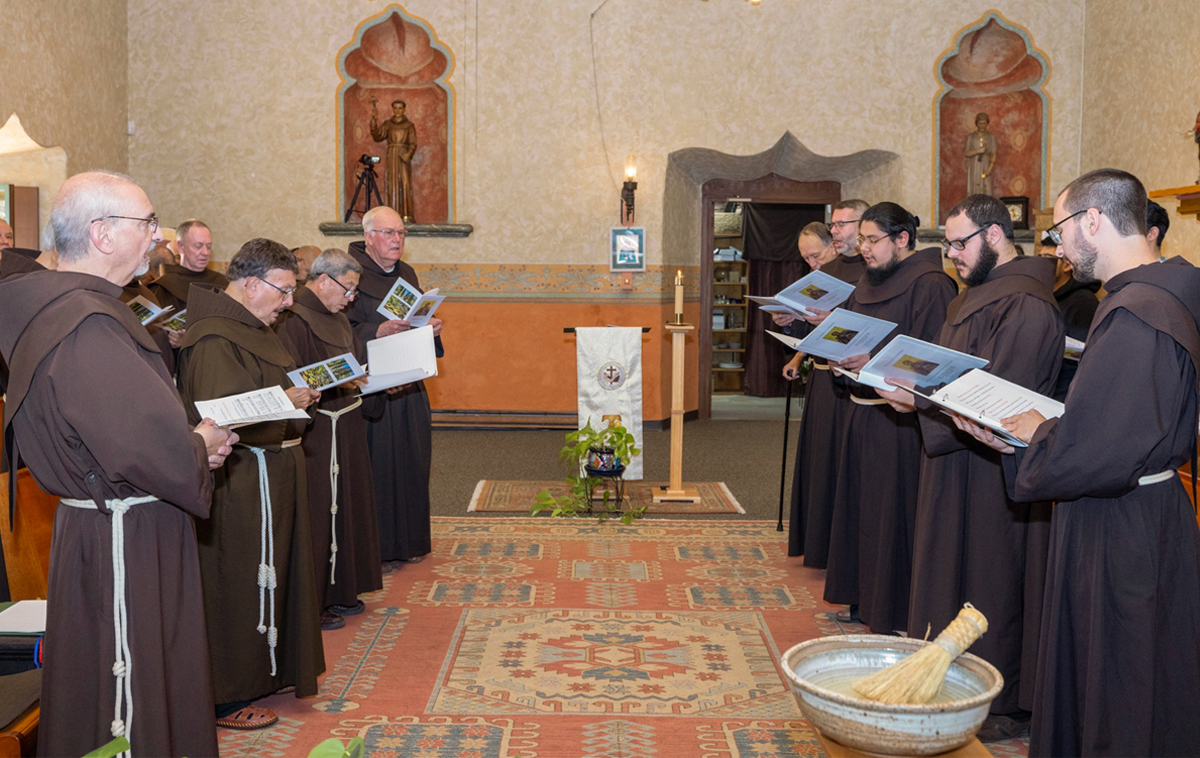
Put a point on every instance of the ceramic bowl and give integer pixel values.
(820, 672)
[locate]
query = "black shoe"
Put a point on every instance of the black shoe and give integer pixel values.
(997, 727)
(331, 620)
(848, 616)
(348, 610)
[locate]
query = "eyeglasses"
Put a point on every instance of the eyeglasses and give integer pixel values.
(839, 224)
(400, 233)
(152, 220)
(872, 240)
(962, 243)
(1055, 234)
(350, 292)
(286, 292)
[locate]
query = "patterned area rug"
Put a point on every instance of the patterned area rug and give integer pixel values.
(506, 496)
(529, 638)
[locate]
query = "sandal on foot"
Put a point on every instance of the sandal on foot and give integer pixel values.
(251, 717)
(331, 620)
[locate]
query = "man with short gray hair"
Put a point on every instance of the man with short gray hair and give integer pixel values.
(194, 241)
(99, 424)
(341, 498)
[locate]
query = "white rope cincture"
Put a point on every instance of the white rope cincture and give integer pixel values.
(334, 470)
(266, 557)
(1162, 476)
(122, 724)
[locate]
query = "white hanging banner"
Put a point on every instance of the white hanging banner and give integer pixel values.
(609, 367)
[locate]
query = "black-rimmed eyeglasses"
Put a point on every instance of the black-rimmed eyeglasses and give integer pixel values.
(1055, 234)
(288, 292)
(961, 244)
(152, 220)
(350, 291)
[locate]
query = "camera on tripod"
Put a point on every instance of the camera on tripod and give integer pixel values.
(368, 160)
(366, 183)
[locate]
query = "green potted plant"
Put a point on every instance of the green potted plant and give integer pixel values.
(591, 455)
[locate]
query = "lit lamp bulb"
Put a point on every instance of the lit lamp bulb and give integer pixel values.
(630, 168)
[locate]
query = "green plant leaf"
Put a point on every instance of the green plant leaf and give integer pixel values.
(116, 747)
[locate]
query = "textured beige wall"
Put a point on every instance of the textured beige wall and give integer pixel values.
(65, 74)
(236, 115)
(1140, 95)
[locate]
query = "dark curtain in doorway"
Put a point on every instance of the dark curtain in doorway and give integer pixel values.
(771, 231)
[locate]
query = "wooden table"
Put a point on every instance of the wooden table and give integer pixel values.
(973, 749)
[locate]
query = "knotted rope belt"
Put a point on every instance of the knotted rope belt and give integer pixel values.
(267, 580)
(122, 724)
(334, 470)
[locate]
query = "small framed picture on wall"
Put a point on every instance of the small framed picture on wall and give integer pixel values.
(628, 252)
(1018, 211)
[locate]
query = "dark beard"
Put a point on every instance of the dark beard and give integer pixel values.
(877, 276)
(1085, 269)
(988, 256)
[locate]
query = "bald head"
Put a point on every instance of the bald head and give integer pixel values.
(305, 256)
(103, 225)
(384, 232)
(6, 235)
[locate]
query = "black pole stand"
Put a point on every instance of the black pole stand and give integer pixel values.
(787, 417)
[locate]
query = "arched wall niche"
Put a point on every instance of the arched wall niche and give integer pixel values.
(26, 163)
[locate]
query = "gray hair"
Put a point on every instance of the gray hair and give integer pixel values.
(82, 199)
(182, 230)
(858, 206)
(818, 230)
(333, 263)
(368, 219)
(46, 241)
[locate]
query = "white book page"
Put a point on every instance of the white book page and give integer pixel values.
(423, 310)
(988, 399)
(24, 617)
(1073, 350)
(816, 290)
(176, 323)
(845, 333)
(792, 342)
(400, 301)
(922, 363)
(145, 310)
(771, 305)
(328, 373)
(403, 358)
(255, 407)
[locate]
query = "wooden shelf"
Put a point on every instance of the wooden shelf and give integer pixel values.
(1188, 197)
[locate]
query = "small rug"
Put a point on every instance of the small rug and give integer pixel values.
(507, 496)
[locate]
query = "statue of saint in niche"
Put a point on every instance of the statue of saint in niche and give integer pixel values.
(401, 138)
(980, 153)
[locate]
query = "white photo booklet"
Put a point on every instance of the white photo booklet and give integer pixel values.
(842, 334)
(816, 290)
(397, 359)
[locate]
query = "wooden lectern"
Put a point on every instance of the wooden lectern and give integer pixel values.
(674, 492)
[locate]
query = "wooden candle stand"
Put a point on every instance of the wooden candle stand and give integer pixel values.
(675, 492)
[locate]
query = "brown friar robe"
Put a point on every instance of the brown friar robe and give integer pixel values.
(399, 428)
(1119, 665)
(11, 265)
(311, 334)
(814, 477)
(97, 417)
(974, 544)
(228, 351)
(172, 288)
(879, 462)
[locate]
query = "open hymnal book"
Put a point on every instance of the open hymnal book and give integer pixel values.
(922, 363)
(987, 399)
(405, 301)
(817, 290)
(24, 617)
(147, 311)
(176, 323)
(328, 373)
(842, 334)
(254, 407)
(1073, 350)
(398, 359)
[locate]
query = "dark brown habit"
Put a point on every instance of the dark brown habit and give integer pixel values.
(227, 351)
(878, 465)
(96, 416)
(1078, 302)
(974, 544)
(399, 429)
(311, 333)
(1119, 665)
(172, 287)
(814, 477)
(12, 264)
(136, 289)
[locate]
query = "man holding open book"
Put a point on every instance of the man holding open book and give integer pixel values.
(1118, 671)
(973, 543)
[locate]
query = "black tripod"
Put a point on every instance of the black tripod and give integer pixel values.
(366, 178)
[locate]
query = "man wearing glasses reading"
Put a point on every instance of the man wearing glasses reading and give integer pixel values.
(341, 498)
(399, 432)
(974, 544)
(1118, 671)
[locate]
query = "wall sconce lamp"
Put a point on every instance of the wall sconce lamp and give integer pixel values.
(627, 191)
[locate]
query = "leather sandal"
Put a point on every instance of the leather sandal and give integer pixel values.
(250, 717)
(848, 616)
